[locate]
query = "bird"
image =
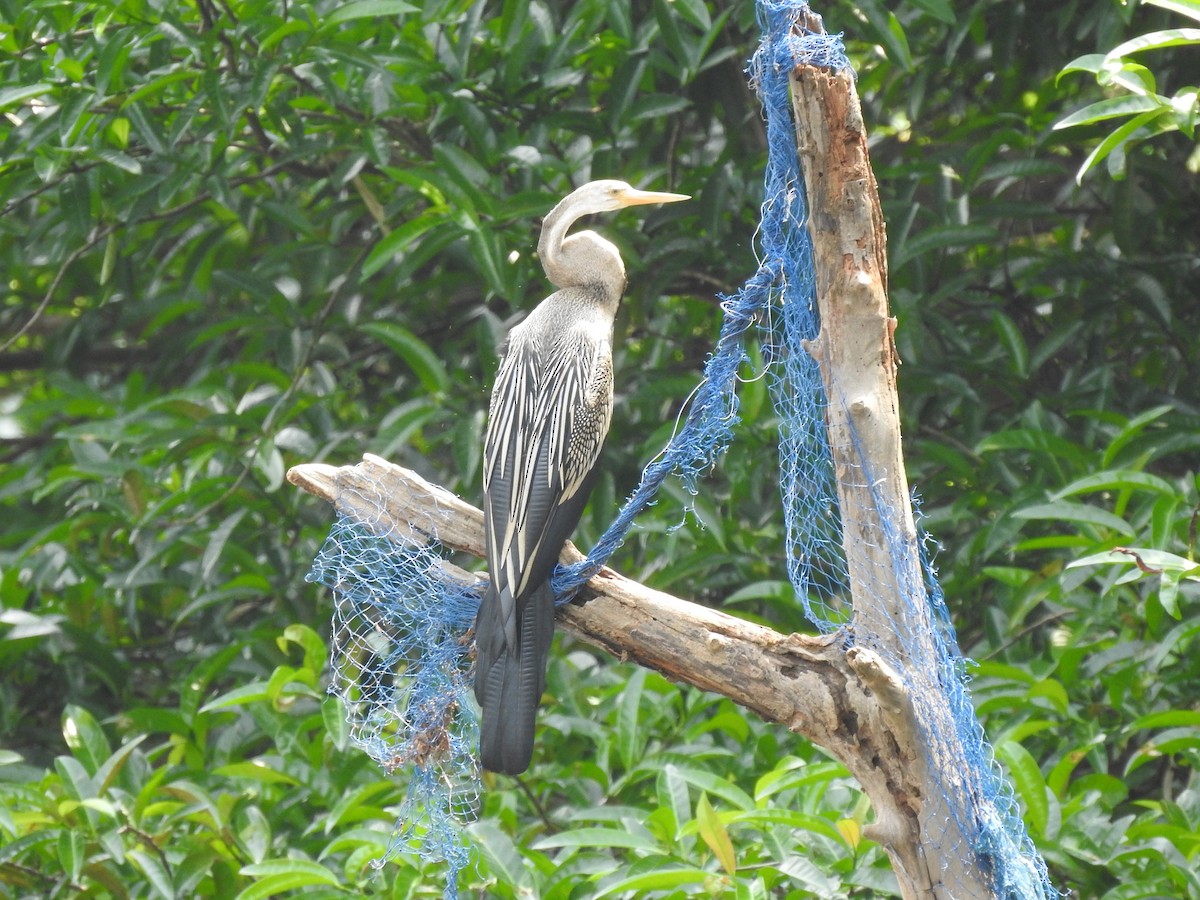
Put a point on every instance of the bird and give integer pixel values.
(549, 414)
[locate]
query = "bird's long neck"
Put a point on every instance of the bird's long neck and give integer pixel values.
(550, 245)
(581, 260)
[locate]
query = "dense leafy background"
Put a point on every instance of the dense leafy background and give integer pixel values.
(241, 235)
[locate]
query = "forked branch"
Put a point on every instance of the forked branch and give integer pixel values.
(846, 700)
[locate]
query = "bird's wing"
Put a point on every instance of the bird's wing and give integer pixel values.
(550, 411)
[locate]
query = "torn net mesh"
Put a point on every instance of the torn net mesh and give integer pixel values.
(402, 664)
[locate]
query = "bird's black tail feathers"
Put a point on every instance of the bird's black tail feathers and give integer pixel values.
(509, 680)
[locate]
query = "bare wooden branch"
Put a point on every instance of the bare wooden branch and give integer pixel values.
(858, 362)
(848, 701)
(778, 676)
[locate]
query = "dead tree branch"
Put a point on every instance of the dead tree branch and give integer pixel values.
(847, 700)
(930, 851)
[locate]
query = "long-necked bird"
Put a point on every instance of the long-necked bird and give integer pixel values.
(549, 414)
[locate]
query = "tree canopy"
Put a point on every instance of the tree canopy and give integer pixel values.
(238, 236)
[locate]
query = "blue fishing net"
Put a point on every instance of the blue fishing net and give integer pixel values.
(401, 666)
(401, 662)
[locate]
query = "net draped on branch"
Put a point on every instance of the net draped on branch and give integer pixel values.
(401, 658)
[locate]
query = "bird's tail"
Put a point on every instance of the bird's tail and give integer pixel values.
(509, 680)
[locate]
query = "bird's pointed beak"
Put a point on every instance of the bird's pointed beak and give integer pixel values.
(641, 198)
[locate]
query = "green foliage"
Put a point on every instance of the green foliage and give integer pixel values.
(1104, 658)
(245, 793)
(656, 788)
(238, 236)
(1146, 112)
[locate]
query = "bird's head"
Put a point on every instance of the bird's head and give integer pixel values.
(586, 258)
(608, 194)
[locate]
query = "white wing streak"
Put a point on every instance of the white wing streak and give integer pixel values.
(550, 410)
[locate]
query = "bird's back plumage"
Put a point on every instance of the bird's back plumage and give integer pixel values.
(549, 414)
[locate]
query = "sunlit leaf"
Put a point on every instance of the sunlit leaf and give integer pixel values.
(1109, 108)
(367, 9)
(713, 832)
(1156, 40)
(12, 96)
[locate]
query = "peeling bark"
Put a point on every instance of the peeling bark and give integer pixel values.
(857, 357)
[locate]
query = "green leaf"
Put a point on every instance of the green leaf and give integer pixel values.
(72, 852)
(943, 238)
(487, 254)
(939, 9)
(657, 880)
(1109, 108)
(1135, 129)
(85, 737)
(255, 770)
(1014, 341)
(693, 12)
(152, 867)
(423, 361)
(714, 784)
(501, 853)
(216, 544)
(1116, 480)
(1168, 594)
(1092, 63)
(890, 32)
(1063, 511)
(1169, 743)
(1030, 785)
(284, 31)
(108, 771)
(255, 835)
(1129, 556)
(792, 772)
(13, 96)
(1183, 7)
(122, 161)
(463, 171)
(1133, 77)
(309, 641)
(714, 834)
(771, 817)
(1132, 429)
(672, 794)
(630, 742)
(272, 867)
(399, 240)
(238, 696)
(299, 875)
(657, 106)
(1156, 40)
(367, 9)
(360, 804)
(1172, 718)
(597, 837)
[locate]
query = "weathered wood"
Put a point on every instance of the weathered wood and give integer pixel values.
(778, 676)
(857, 357)
(848, 701)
